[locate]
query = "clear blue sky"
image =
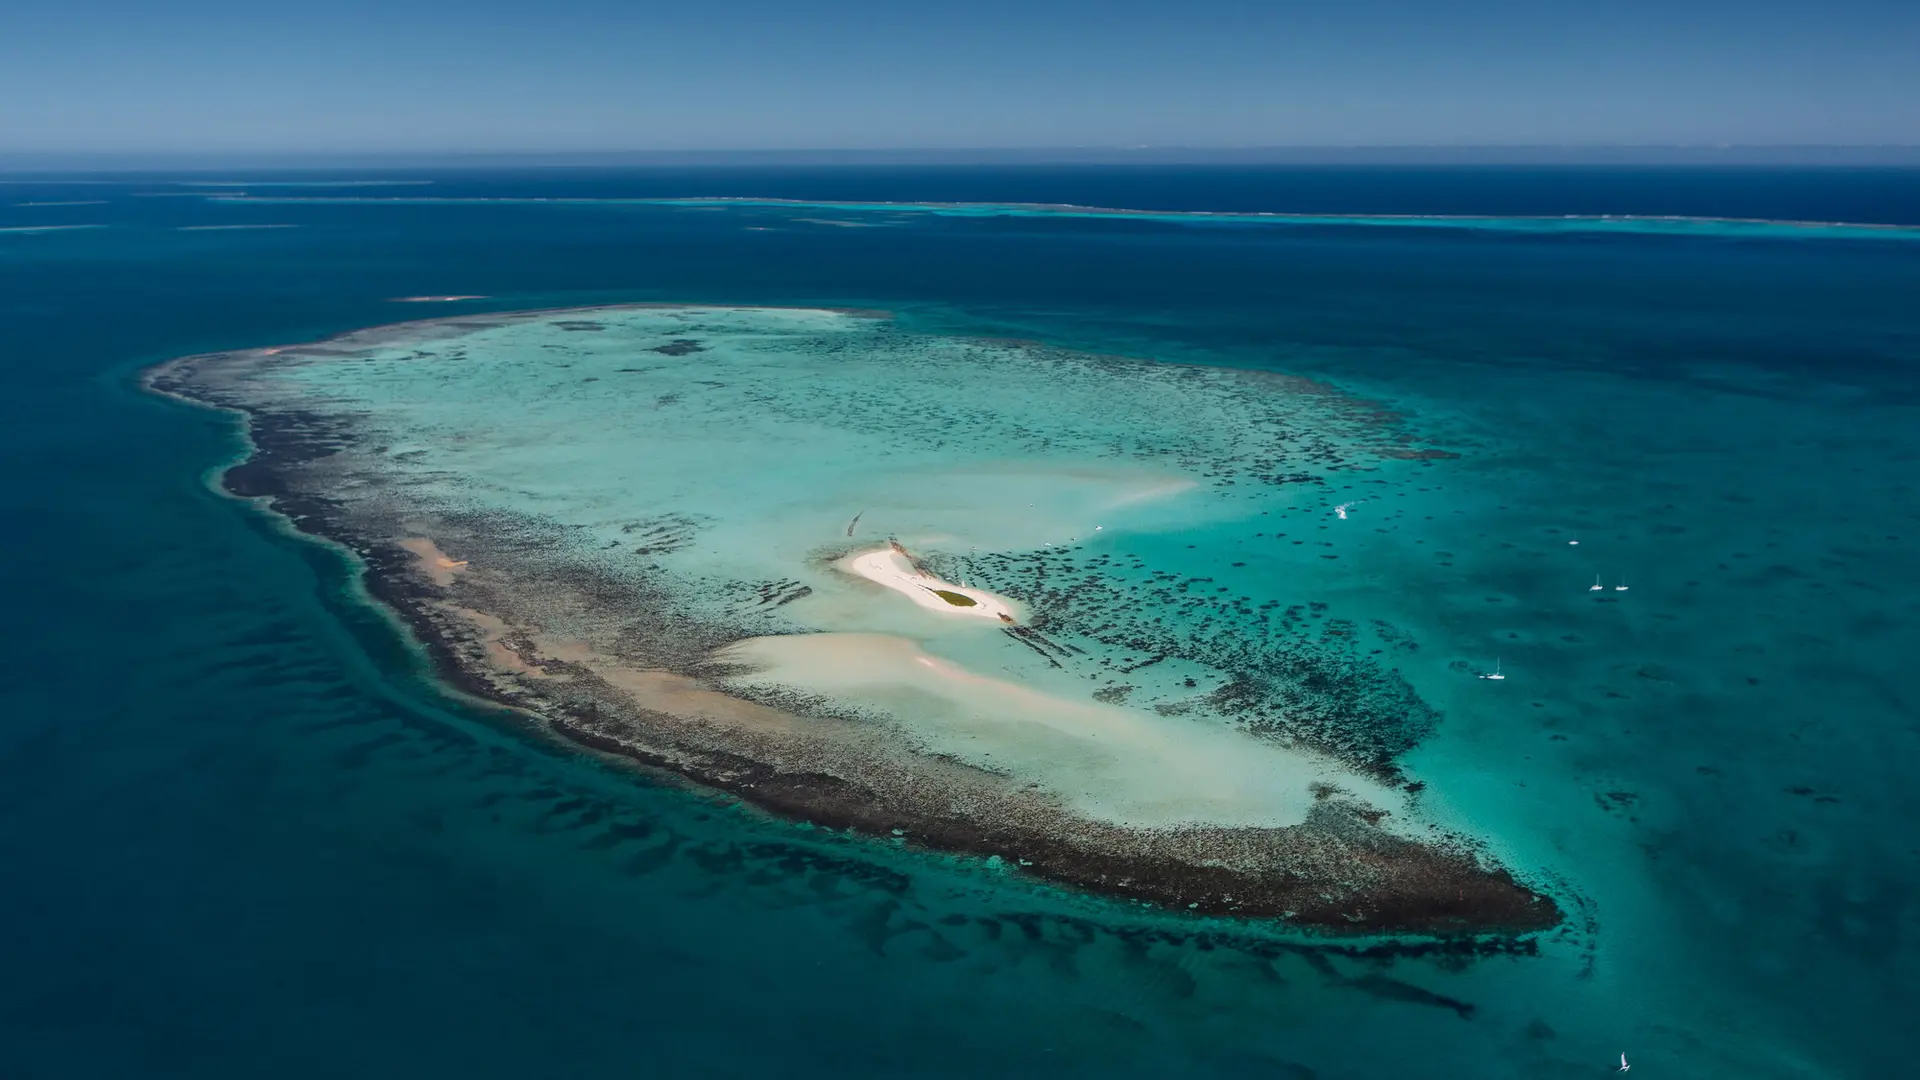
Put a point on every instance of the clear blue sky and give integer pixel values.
(268, 75)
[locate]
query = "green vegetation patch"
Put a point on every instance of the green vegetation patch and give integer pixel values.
(954, 598)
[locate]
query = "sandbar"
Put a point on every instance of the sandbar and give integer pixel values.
(892, 568)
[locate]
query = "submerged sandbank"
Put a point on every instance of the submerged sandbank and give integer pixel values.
(1103, 762)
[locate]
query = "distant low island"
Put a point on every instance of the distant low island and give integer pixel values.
(909, 585)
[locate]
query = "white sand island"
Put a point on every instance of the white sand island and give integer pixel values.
(892, 567)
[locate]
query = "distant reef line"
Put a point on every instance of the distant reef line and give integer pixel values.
(1668, 225)
(1598, 221)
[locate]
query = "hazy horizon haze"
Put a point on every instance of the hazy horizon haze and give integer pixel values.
(209, 76)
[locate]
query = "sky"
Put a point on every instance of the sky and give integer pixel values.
(567, 75)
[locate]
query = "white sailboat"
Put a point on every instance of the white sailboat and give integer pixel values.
(1495, 673)
(1622, 587)
(1596, 587)
(1623, 1063)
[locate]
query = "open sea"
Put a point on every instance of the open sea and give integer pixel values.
(245, 833)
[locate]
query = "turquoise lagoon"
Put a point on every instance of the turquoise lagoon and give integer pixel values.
(729, 477)
(1709, 770)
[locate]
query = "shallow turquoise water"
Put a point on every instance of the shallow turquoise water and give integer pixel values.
(240, 824)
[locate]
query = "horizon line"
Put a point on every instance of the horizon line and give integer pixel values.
(1881, 155)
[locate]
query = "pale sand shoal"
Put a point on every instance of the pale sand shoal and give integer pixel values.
(433, 562)
(1106, 762)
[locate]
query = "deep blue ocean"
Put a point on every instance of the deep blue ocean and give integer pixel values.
(244, 834)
